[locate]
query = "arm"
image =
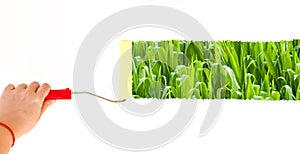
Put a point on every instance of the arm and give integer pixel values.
(21, 108)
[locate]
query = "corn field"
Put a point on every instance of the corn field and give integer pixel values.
(216, 69)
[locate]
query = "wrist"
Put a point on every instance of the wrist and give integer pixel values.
(7, 136)
(5, 140)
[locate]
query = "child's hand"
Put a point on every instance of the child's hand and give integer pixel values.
(21, 107)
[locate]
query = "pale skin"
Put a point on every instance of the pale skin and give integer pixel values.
(21, 107)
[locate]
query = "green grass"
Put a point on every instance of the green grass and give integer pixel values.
(216, 69)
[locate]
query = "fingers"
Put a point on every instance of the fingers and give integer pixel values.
(34, 86)
(46, 104)
(43, 91)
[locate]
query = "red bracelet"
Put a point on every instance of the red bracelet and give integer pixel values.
(11, 132)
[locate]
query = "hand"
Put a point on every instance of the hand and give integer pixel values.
(22, 107)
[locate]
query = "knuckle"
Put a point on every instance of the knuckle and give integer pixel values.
(29, 92)
(35, 83)
(10, 86)
(46, 85)
(21, 87)
(37, 100)
(22, 84)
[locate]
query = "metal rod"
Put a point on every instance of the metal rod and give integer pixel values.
(89, 93)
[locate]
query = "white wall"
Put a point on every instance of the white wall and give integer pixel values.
(39, 41)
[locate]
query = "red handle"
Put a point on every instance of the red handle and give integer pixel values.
(59, 94)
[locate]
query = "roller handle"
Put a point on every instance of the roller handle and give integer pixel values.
(59, 94)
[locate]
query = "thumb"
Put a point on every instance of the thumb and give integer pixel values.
(46, 104)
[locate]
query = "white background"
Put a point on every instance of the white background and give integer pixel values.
(39, 41)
